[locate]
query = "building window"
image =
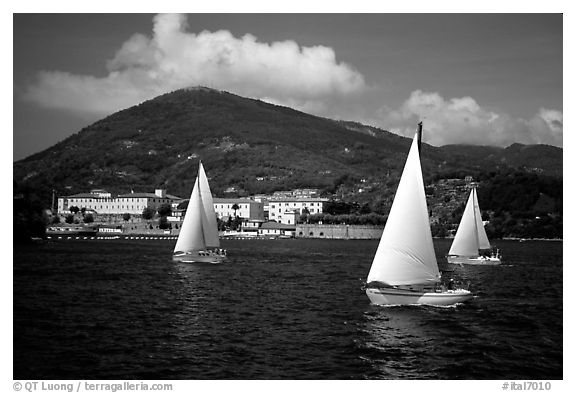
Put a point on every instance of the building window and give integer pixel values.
(311, 233)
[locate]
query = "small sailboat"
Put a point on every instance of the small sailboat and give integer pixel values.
(404, 270)
(198, 239)
(471, 238)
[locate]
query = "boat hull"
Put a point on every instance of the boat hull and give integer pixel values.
(463, 260)
(401, 297)
(195, 258)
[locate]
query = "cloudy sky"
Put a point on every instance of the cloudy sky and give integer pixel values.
(488, 79)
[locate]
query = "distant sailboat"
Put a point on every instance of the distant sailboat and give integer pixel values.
(198, 239)
(471, 238)
(404, 270)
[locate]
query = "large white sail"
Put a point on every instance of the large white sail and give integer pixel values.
(191, 237)
(483, 242)
(406, 254)
(466, 239)
(211, 227)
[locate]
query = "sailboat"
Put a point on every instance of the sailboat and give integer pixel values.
(198, 239)
(471, 237)
(404, 270)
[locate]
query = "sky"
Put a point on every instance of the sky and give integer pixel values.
(484, 79)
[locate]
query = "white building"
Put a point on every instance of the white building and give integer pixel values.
(247, 208)
(296, 193)
(272, 228)
(287, 210)
(251, 226)
(102, 202)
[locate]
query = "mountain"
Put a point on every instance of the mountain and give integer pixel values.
(543, 159)
(249, 146)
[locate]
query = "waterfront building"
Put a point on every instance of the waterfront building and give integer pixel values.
(272, 228)
(251, 226)
(287, 210)
(102, 202)
(247, 208)
(110, 228)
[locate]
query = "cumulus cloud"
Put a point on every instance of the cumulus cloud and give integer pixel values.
(173, 58)
(463, 120)
(284, 73)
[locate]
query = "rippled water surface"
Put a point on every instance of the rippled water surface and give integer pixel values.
(279, 309)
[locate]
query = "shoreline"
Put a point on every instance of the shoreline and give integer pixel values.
(159, 236)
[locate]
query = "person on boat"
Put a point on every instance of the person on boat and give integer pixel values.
(451, 284)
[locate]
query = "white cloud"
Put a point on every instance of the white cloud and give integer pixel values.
(547, 126)
(463, 120)
(305, 78)
(174, 58)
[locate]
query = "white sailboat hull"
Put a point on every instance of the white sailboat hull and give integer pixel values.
(402, 297)
(473, 260)
(197, 258)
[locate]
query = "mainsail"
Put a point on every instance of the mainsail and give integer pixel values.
(211, 229)
(406, 254)
(191, 237)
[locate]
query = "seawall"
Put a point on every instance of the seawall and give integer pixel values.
(323, 231)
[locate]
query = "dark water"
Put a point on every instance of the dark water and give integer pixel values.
(279, 309)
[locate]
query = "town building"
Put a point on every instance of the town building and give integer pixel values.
(102, 202)
(110, 229)
(247, 208)
(287, 210)
(281, 209)
(251, 226)
(272, 228)
(296, 193)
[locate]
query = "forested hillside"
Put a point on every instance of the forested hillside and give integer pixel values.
(248, 147)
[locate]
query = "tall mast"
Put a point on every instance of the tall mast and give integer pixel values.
(419, 138)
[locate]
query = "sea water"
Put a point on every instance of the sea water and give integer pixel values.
(277, 309)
